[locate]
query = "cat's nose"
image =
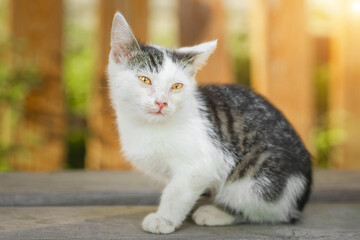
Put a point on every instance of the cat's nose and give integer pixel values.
(161, 105)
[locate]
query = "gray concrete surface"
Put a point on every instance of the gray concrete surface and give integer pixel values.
(79, 188)
(110, 205)
(320, 221)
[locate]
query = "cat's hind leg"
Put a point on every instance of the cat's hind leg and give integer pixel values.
(210, 215)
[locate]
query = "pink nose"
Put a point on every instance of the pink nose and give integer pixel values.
(161, 105)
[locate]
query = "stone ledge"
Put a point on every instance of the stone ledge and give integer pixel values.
(320, 221)
(80, 188)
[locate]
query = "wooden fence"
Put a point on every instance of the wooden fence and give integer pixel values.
(282, 59)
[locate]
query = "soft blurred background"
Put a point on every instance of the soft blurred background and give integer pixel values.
(303, 55)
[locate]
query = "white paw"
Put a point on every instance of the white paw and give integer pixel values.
(209, 215)
(155, 224)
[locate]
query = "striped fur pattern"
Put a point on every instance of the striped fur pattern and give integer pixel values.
(151, 59)
(264, 145)
(224, 140)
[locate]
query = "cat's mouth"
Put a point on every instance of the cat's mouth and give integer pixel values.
(156, 113)
(159, 111)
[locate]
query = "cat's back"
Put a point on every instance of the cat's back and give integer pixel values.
(236, 98)
(236, 112)
(233, 101)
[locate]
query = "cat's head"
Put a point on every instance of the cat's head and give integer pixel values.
(152, 83)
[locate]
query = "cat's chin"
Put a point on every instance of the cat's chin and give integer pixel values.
(156, 117)
(156, 113)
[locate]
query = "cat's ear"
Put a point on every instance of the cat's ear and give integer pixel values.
(200, 53)
(123, 42)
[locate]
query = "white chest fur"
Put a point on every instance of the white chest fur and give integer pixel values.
(168, 147)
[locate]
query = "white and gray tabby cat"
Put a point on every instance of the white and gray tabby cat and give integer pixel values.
(221, 139)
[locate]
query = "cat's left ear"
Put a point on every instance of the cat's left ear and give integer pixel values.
(123, 42)
(200, 53)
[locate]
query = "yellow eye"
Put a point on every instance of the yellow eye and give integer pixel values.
(145, 80)
(177, 86)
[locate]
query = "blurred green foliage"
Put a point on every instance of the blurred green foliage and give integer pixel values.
(321, 133)
(325, 137)
(79, 60)
(16, 80)
(239, 50)
(79, 70)
(76, 148)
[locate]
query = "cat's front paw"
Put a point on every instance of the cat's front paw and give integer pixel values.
(156, 224)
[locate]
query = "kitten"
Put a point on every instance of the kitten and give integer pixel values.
(222, 139)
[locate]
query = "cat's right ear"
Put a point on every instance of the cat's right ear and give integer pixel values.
(200, 53)
(123, 42)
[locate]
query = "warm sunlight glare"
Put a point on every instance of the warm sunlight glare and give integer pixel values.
(355, 6)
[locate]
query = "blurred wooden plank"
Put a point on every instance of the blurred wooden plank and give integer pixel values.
(345, 85)
(321, 48)
(103, 148)
(37, 25)
(200, 21)
(280, 66)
